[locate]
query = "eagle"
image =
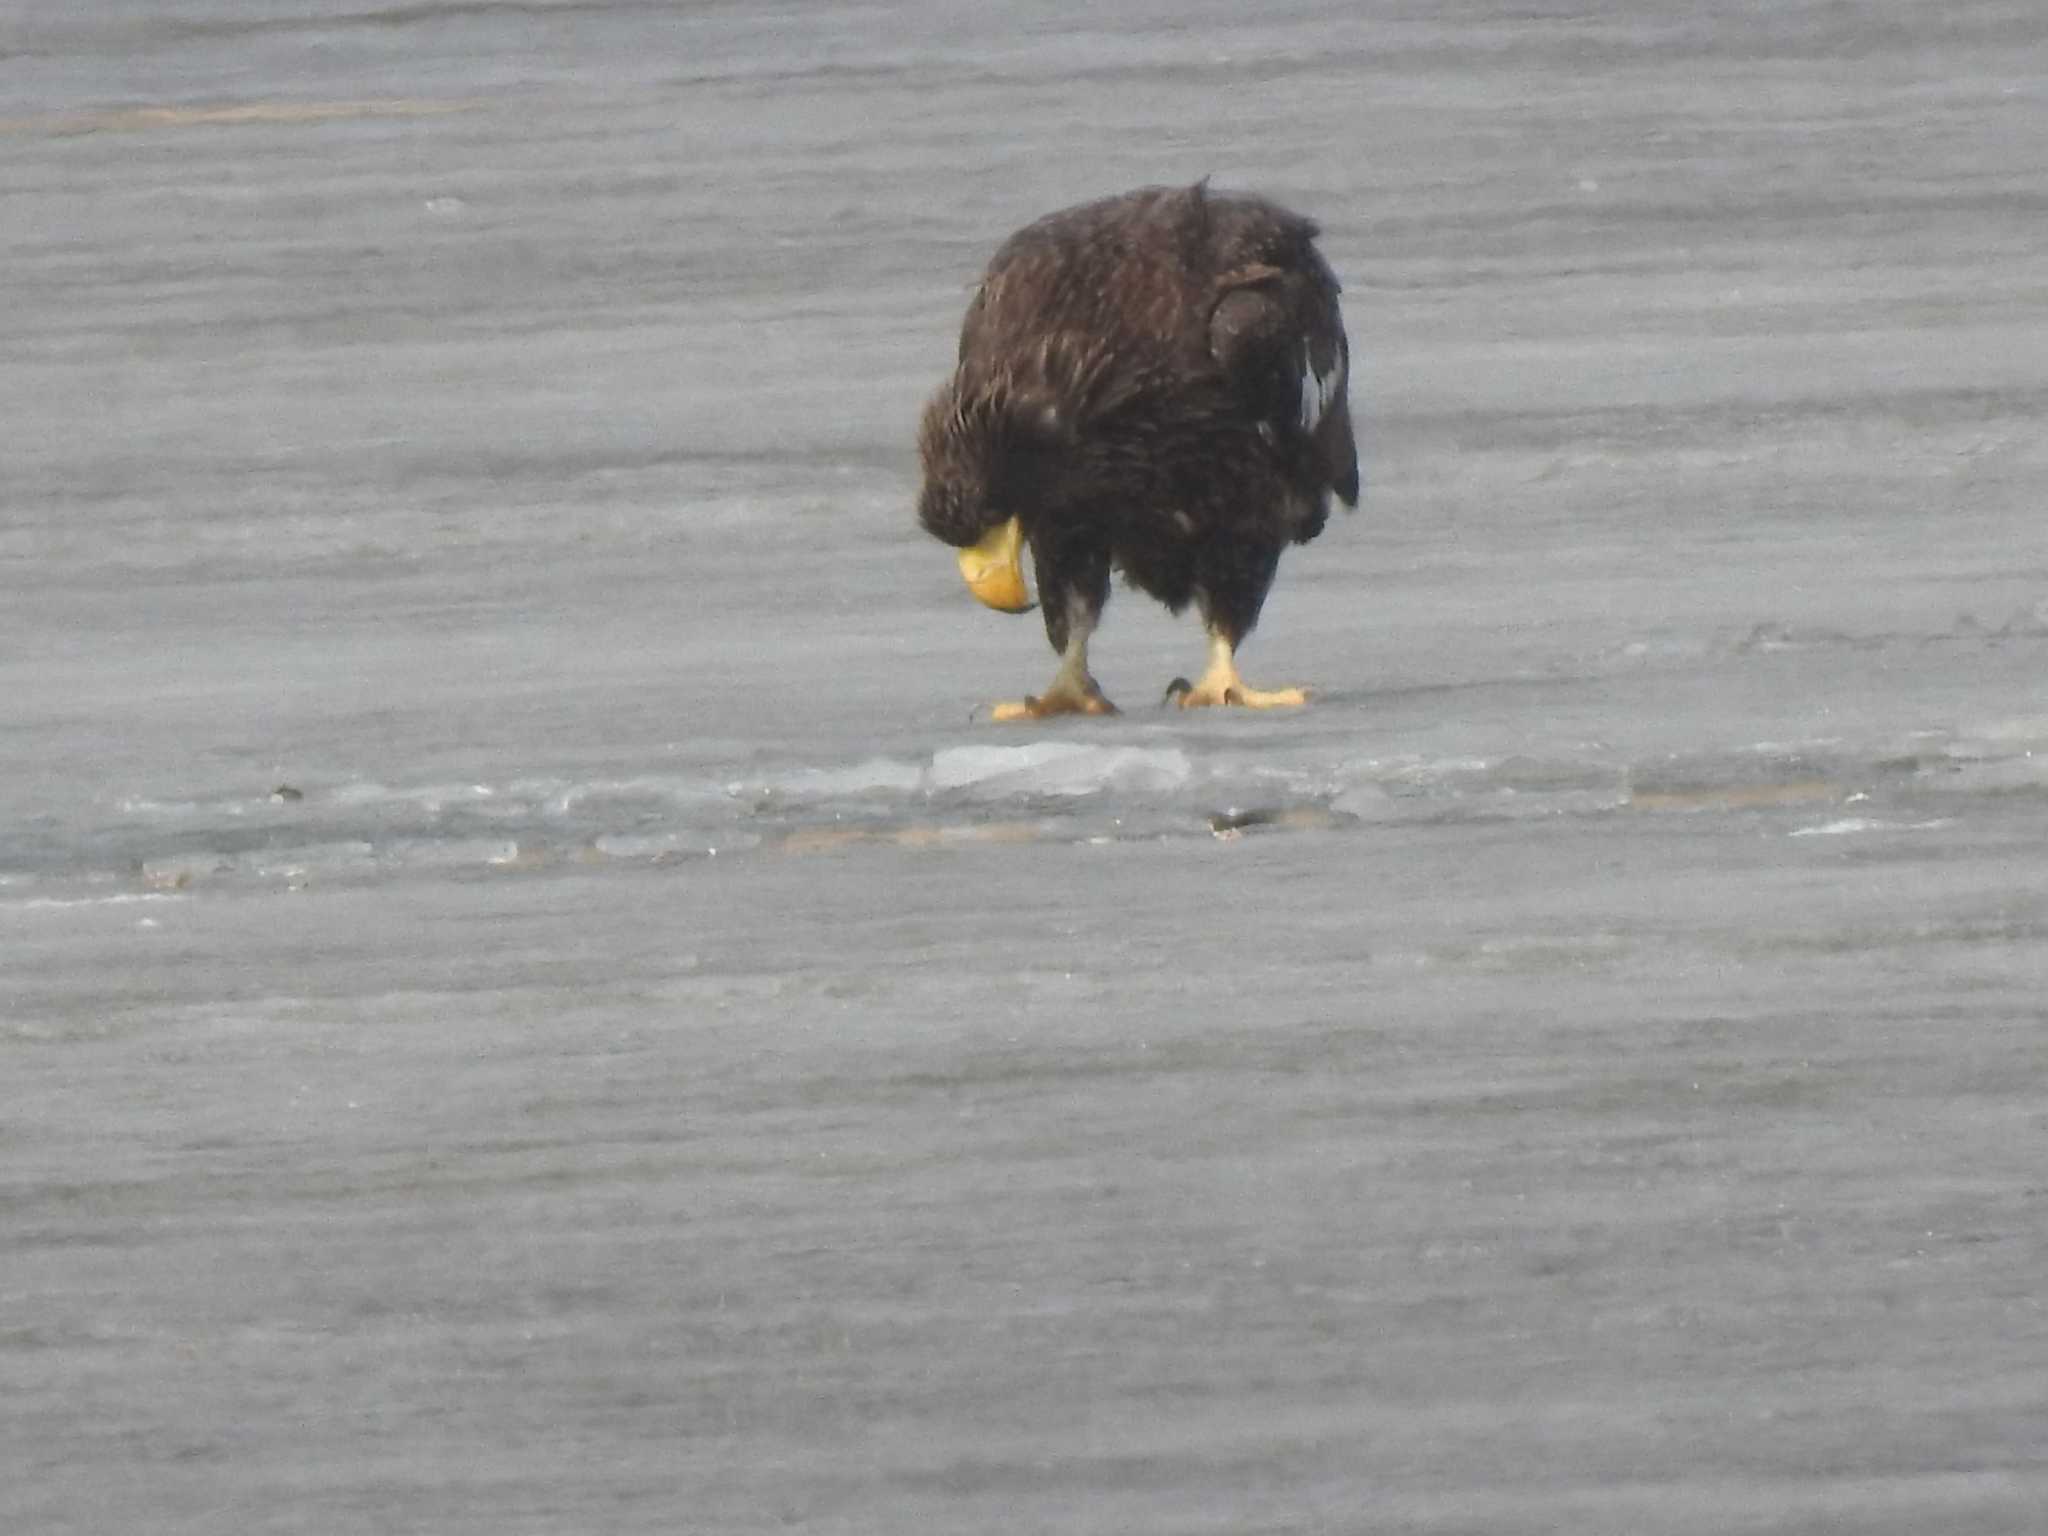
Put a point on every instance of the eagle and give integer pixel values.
(1153, 383)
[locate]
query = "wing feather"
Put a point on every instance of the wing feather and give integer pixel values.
(1276, 335)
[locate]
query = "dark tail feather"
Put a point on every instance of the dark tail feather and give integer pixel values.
(1340, 454)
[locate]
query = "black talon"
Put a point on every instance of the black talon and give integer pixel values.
(1179, 688)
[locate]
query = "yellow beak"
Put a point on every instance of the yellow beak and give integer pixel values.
(994, 569)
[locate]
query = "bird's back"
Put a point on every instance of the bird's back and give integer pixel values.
(1165, 298)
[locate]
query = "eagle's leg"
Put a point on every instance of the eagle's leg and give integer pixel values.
(1073, 591)
(1220, 684)
(1230, 600)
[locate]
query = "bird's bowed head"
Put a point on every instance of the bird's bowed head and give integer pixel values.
(967, 456)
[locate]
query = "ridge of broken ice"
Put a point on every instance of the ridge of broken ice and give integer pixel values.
(1123, 782)
(1060, 768)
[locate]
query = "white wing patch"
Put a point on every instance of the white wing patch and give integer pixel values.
(1318, 390)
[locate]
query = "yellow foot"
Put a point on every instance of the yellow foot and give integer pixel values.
(1212, 691)
(1056, 700)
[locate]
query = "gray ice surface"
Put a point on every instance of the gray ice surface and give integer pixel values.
(529, 1004)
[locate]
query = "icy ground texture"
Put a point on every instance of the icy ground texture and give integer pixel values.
(529, 1004)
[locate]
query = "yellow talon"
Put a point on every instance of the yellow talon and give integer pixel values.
(1056, 700)
(1221, 685)
(994, 569)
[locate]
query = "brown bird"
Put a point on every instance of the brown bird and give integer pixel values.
(1156, 383)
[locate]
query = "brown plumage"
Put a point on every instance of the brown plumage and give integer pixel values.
(1154, 382)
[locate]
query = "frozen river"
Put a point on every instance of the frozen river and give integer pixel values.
(529, 1003)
